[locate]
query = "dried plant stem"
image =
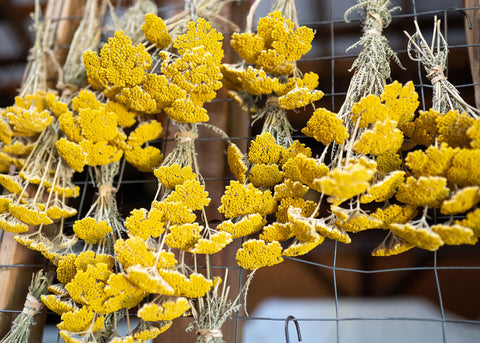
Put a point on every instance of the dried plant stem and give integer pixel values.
(86, 37)
(372, 66)
(20, 330)
(434, 59)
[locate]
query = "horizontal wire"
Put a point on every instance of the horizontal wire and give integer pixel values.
(415, 319)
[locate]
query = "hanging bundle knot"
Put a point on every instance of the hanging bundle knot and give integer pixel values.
(104, 190)
(32, 306)
(185, 136)
(378, 19)
(209, 334)
(436, 74)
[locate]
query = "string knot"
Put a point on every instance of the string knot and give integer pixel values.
(379, 21)
(104, 190)
(436, 74)
(32, 306)
(209, 334)
(185, 136)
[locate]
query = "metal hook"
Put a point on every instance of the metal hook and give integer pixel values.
(465, 14)
(299, 335)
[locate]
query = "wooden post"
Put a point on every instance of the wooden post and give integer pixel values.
(17, 263)
(473, 37)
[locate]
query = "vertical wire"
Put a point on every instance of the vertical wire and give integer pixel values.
(332, 64)
(336, 292)
(419, 65)
(332, 49)
(442, 310)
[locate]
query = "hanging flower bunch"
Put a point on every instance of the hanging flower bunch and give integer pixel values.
(268, 182)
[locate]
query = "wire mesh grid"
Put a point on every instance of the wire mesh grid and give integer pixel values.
(329, 59)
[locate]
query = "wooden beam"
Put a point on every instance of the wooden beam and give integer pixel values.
(473, 37)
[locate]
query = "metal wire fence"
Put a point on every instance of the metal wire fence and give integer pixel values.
(332, 263)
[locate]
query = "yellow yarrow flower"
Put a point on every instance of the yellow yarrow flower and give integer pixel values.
(326, 127)
(121, 293)
(151, 332)
(465, 168)
(293, 150)
(191, 193)
(276, 232)
(303, 228)
(421, 237)
(383, 137)
(215, 243)
(395, 214)
(388, 162)
(434, 161)
(368, 111)
(175, 212)
(289, 189)
(183, 237)
(119, 65)
(144, 159)
(385, 189)
(461, 201)
(12, 183)
(25, 118)
(168, 310)
(91, 230)
(256, 81)
(473, 132)
(173, 175)
(86, 258)
(248, 225)
(299, 97)
(29, 214)
(310, 169)
(248, 45)
(307, 207)
(18, 148)
(144, 224)
(236, 162)
(393, 245)
(133, 251)
(137, 99)
(256, 254)
(54, 303)
(264, 149)
(72, 153)
(423, 129)
(356, 221)
(245, 199)
(455, 234)
(344, 183)
(265, 175)
(402, 101)
(81, 320)
(193, 287)
(452, 129)
(66, 268)
(98, 125)
(146, 131)
(100, 153)
(185, 111)
(472, 221)
(148, 280)
(155, 31)
(302, 248)
(424, 191)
